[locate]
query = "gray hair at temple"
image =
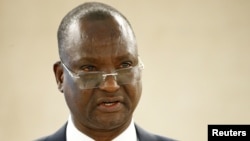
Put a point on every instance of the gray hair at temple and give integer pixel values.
(93, 11)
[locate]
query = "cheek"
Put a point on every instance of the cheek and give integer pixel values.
(79, 104)
(76, 99)
(139, 91)
(70, 92)
(73, 101)
(134, 93)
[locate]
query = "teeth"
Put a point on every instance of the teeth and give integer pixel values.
(108, 104)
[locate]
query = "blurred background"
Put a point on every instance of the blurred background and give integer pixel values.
(196, 56)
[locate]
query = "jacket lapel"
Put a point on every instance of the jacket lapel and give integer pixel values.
(143, 135)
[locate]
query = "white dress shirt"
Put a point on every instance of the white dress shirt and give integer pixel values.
(73, 134)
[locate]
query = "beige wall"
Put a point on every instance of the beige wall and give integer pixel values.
(196, 55)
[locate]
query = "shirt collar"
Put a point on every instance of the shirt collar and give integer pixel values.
(73, 134)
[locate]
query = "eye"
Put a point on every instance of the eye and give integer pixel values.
(127, 64)
(88, 68)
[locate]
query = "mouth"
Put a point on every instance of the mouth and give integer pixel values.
(109, 105)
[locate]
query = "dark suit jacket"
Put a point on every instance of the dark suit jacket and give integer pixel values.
(142, 135)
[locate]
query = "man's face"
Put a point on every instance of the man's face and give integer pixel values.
(101, 46)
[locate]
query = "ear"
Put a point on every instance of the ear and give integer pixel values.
(58, 71)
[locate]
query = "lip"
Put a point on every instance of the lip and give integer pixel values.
(110, 104)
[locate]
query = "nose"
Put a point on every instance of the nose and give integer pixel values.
(109, 84)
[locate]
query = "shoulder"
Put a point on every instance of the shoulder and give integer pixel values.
(59, 135)
(41, 139)
(144, 135)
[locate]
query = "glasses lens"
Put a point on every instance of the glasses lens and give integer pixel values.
(128, 76)
(89, 80)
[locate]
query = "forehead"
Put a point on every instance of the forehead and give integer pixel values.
(100, 38)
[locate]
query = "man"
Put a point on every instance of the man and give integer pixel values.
(100, 76)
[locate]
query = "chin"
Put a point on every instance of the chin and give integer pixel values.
(111, 122)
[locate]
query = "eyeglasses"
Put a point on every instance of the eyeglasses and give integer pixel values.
(90, 80)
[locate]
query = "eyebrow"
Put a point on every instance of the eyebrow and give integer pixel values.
(125, 56)
(90, 59)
